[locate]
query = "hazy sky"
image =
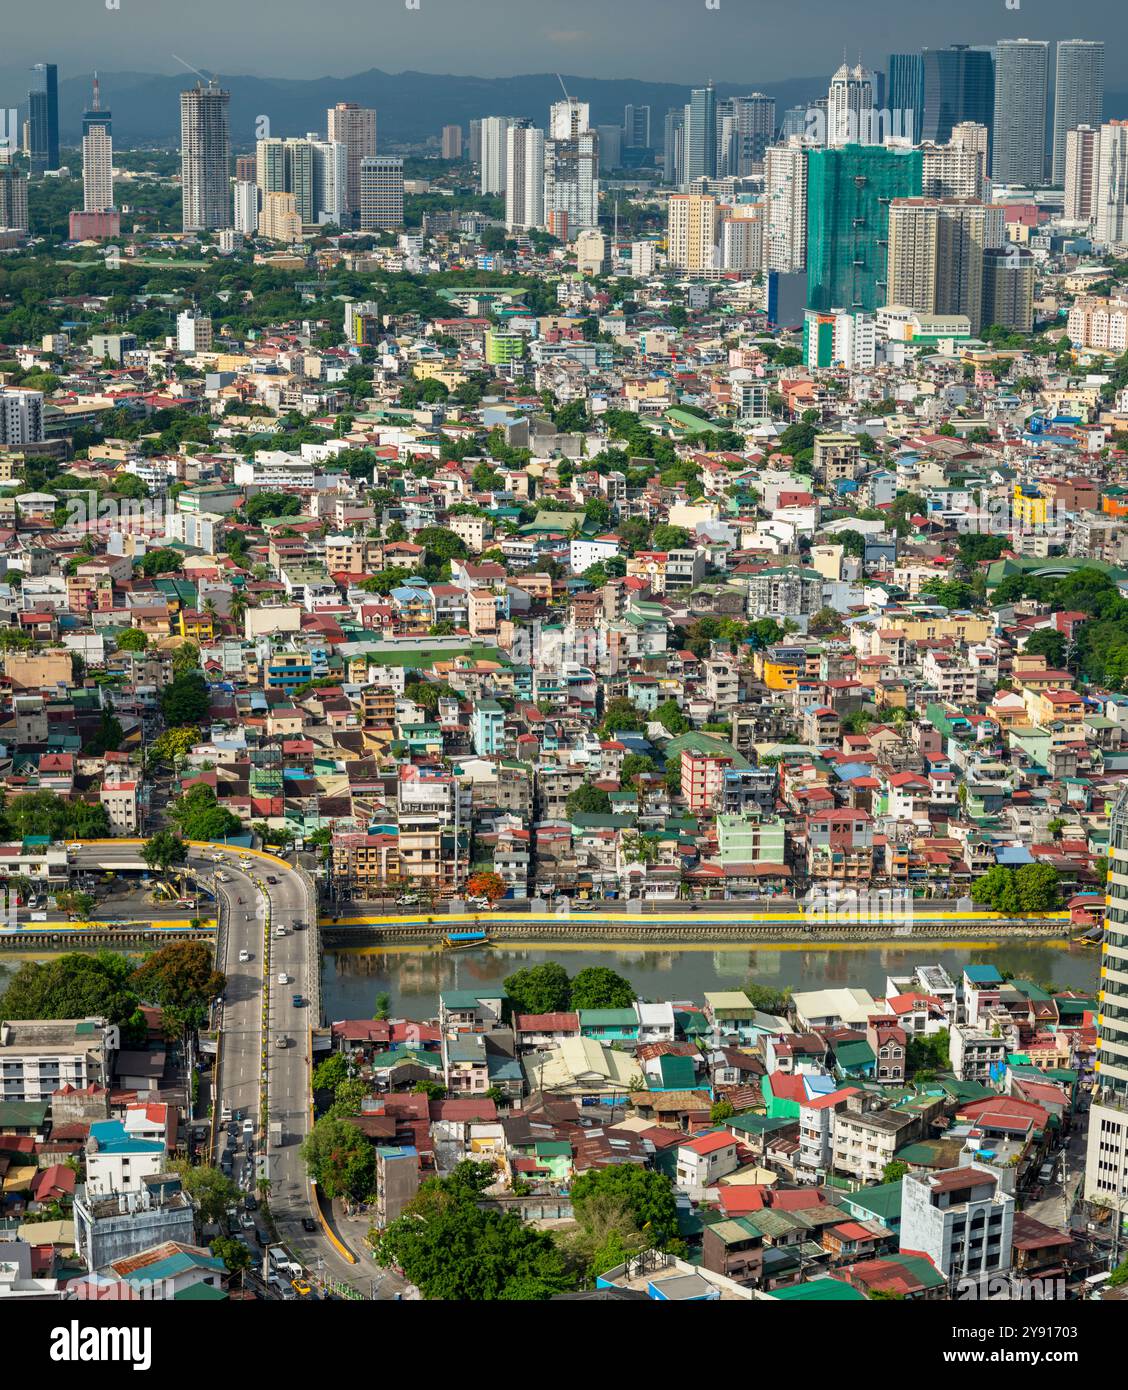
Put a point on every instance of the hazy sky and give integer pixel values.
(664, 40)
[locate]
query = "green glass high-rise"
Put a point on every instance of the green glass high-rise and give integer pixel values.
(848, 196)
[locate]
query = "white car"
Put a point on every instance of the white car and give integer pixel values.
(244, 956)
(283, 978)
(407, 900)
(280, 931)
(282, 1042)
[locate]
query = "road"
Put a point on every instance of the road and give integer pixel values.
(248, 902)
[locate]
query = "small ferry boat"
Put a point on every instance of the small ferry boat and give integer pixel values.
(463, 940)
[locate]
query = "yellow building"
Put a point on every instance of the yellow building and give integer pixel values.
(779, 673)
(1028, 506)
(196, 625)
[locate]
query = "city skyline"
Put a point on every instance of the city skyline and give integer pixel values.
(657, 40)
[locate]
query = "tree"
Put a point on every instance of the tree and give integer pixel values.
(163, 850)
(540, 989)
(329, 1074)
(340, 1159)
(199, 816)
(185, 699)
(454, 1250)
(720, 1111)
(209, 1189)
(996, 890)
(894, 1171)
(646, 1194)
(161, 561)
(667, 537)
(487, 885)
(131, 640)
(174, 744)
(433, 1090)
(1047, 642)
(669, 715)
(75, 986)
(599, 987)
(949, 593)
(766, 999)
(633, 765)
(587, 800)
(1038, 888)
(928, 1054)
(620, 713)
(235, 1255)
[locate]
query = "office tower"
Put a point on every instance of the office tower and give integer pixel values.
(246, 168)
(1008, 288)
(492, 164)
(279, 219)
(785, 208)
(610, 146)
(1106, 1159)
(691, 233)
(959, 85)
(673, 146)
(848, 196)
(330, 182)
(1110, 208)
(21, 416)
(97, 157)
(745, 127)
(1022, 75)
(381, 194)
(793, 125)
(354, 127)
(904, 92)
(700, 140)
(1081, 147)
(475, 142)
(43, 118)
(849, 107)
(957, 169)
(571, 181)
(636, 127)
(205, 157)
(567, 118)
(936, 254)
(452, 142)
(524, 176)
(246, 207)
(13, 198)
(1078, 93)
(287, 166)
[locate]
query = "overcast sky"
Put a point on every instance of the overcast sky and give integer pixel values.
(661, 40)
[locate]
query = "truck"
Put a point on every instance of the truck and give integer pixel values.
(276, 1138)
(283, 1264)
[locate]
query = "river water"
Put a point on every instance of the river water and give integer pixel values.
(352, 979)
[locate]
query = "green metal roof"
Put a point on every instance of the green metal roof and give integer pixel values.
(827, 1290)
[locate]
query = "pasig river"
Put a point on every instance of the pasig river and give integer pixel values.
(352, 979)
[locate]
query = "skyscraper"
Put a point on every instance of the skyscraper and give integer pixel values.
(849, 107)
(745, 128)
(1106, 1158)
(330, 182)
(691, 233)
(567, 118)
(491, 179)
(904, 92)
(848, 196)
(452, 142)
(936, 254)
(571, 182)
(205, 157)
(286, 166)
(959, 85)
(381, 194)
(1078, 93)
(1110, 200)
(700, 139)
(524, 176)
(21, 416)
(673, 145)
(247, 198)
(636, 127)
(785, 201)
(354, 127)
(13, 198)
(1022, 75)
(43, 118)
(97, 157)
(1081, 149)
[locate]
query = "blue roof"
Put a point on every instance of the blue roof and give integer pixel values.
(1013, 854)
(983, 975)
(112, 1138)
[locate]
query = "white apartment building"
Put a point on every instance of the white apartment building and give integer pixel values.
(960, 1218)
(38, 1057)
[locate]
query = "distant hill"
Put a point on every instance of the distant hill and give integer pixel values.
(410, 106)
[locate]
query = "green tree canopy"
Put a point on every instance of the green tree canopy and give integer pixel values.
(539, 989)
(599, 987)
